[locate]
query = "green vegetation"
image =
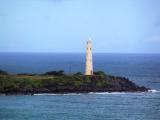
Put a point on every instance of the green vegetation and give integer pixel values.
(58, 82)
(58, 73)
(99, 73)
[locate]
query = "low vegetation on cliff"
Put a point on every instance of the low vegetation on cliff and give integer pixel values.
(58, 82)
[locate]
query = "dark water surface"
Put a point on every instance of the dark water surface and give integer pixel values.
(144, 69)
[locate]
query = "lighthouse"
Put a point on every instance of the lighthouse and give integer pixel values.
(89, 64)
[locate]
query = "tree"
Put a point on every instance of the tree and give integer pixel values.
(78, 73)
(100, 73)
(57, 73)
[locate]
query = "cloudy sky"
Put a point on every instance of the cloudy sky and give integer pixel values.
(115, 26)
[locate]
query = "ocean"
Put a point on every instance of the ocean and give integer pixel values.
(143, 69)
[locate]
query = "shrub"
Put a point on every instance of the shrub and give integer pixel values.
(57, 73)
(100, 73)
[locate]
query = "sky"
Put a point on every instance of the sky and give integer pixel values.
(115, 26)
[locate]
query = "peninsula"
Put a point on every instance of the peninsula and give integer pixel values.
(58, 82)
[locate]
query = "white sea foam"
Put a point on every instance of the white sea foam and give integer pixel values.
(91, 93)
(51, 94)
(153, 91)
(96, 93)
(39, 94)
(103, 93)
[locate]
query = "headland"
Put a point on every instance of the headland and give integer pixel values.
(58, 82)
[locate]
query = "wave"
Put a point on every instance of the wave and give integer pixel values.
(103, 93)
(153, 91)
(50, 94)
(90, 93)
(96, 93)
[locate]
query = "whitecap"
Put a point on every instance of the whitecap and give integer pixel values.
(95, 93)
(104, 93)
(51, 94)
(39, 94)
(153, 91)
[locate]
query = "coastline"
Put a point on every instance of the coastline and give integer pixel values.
(56, 82)
(84, 93)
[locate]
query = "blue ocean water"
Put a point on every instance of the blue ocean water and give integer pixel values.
(127, 106)
(143, 69)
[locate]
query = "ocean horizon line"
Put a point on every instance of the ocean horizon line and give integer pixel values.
(80, 52)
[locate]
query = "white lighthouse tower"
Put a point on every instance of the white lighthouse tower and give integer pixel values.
(89, 64)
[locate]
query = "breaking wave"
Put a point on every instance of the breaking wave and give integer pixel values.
(98, 93)
(103, 93)
(50, 94)
(153, 91)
